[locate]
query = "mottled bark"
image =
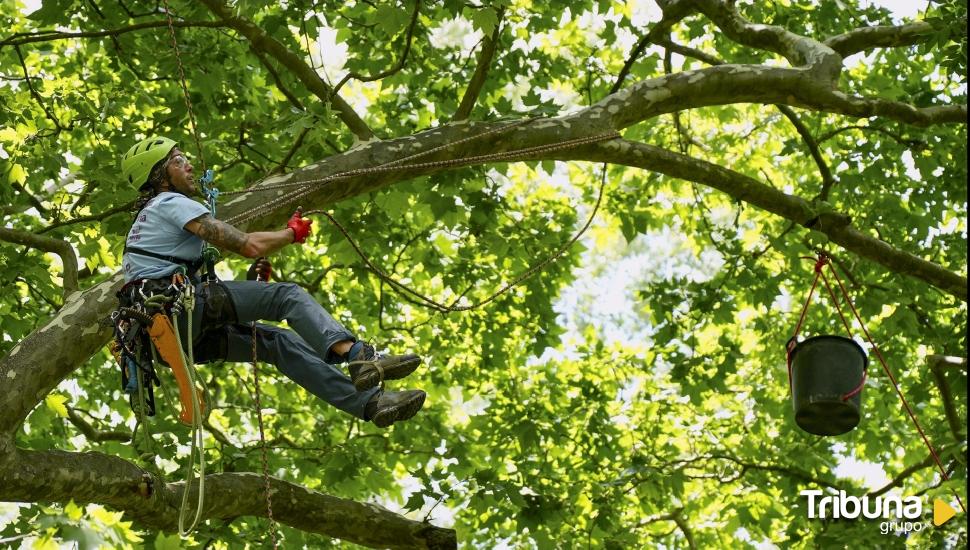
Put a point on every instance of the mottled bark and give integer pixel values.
(51, 353)
(836, 226)
(154, 503)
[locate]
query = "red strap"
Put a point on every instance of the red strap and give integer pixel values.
(793, 341)
(820, 263)
(899, 392)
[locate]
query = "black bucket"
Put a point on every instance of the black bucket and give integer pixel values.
(823, 370)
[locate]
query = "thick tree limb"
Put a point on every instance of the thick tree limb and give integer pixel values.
(57, 476)
(768, 198)
(47, 244)
(266, 43)
(731, 83)
(470, 96)
(946, 361)
(810, 142)
(886, 36)
(48, 36)
(799, 50)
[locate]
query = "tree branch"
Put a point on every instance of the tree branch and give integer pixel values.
(409, 36)
(793, 208)
(898, 138)
(687, 51)
(885, 36)
(952, 418)
(93, 434)
(36, 95)
(678, 518)
(266, 43)
(799, 50)
(673, 12)
(57, 476)
(902, 476)
(731, 83)
(93, 217)
(290, 96)
(47, 244)
(281, 167)
(33, 200)
(47, 36)
(827, 180)
(489, 45)
(823, 168)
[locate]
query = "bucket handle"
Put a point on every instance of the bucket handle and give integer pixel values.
(820, 263)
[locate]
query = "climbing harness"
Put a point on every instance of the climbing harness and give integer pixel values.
(146, 331)
(824, 260)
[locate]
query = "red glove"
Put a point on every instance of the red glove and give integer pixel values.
(300, 227)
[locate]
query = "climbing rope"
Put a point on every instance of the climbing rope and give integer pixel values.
(821, 262)
(453, 307)
(262, 439)
(197, 449)
(307, 186)
(185, 88)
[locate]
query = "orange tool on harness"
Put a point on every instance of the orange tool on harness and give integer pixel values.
(163, 338)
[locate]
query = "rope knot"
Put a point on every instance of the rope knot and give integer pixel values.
(821, 262)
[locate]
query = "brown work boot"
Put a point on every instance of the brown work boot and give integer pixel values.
(392, 406)
(369, 368)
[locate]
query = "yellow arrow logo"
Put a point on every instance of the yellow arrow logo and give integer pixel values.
(942, 512)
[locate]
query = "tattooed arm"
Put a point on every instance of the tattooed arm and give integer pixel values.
(250, 245)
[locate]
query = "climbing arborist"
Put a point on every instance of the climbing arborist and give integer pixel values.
(168, 234)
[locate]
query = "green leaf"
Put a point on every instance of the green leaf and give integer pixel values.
(484, 19)
(171, 542)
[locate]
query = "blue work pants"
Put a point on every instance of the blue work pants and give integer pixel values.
(223, 332)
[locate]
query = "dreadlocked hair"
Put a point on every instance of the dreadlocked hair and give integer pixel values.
(155, 179)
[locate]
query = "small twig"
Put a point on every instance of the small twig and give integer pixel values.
(409, 36)
(470, 96)
(93, 217)
(47, 244)
(35, 94)
(949, 408)
(93, 434)
(18, 39)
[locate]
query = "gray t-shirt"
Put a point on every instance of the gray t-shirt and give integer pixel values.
(160, 228)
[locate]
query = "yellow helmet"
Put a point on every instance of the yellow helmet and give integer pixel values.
(137, 163)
